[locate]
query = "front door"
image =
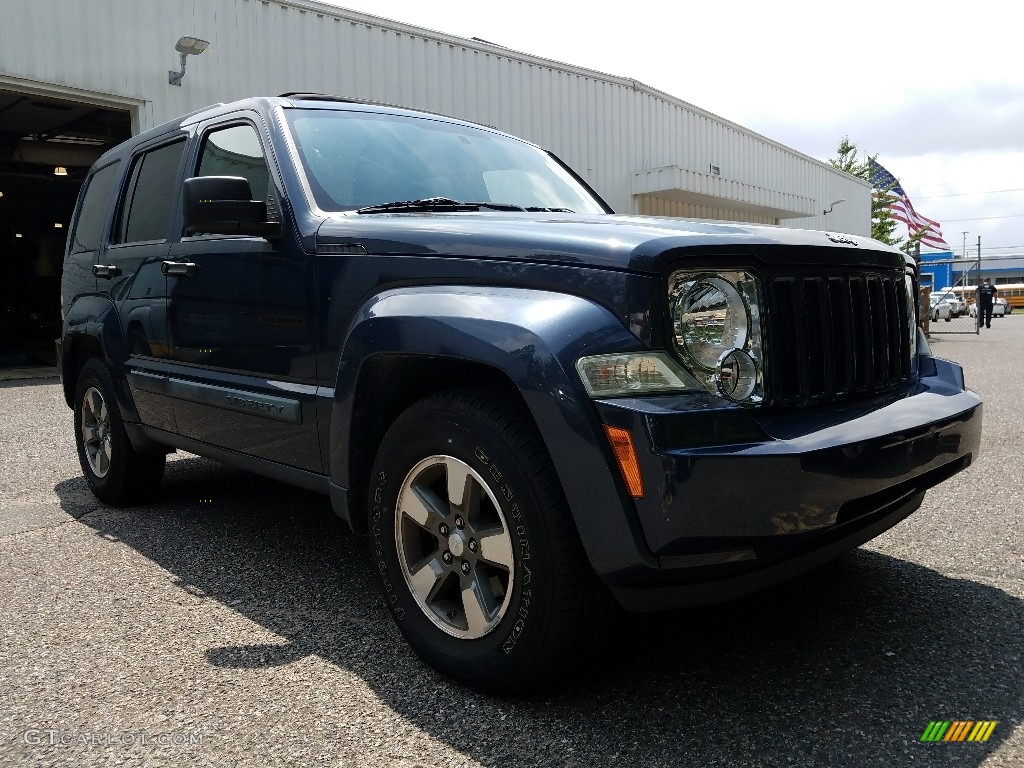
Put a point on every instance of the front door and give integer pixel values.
(239, 316)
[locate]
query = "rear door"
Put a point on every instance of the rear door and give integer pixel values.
(132, 275)
(88, 233)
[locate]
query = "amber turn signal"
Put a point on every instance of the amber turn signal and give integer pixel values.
(622, 446)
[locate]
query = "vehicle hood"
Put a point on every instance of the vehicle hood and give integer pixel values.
(634, 243)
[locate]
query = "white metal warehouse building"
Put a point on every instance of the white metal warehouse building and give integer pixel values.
(77, 76)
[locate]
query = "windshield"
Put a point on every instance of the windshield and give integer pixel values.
(358, 159)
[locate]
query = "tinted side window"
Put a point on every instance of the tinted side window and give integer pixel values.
(88, 234)
(236, 151)
(150, 195)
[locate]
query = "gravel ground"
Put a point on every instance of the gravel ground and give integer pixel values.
(236, 623)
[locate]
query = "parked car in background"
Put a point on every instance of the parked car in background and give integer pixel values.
(940, 308)
(1000, 307)
(957, 306)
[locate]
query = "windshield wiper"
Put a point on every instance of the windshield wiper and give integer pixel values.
(436, 204)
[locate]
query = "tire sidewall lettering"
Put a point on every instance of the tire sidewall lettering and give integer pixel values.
(521, 536)
(379, 548)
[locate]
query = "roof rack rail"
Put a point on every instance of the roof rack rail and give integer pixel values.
(312, 96)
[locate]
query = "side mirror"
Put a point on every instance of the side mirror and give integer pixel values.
(223, 205)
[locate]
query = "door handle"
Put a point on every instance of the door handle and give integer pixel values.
(179, 268)
(106, 270)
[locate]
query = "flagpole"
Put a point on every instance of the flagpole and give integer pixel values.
(977, 330)
(964, 269)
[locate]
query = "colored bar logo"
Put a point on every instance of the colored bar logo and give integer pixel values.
(959, 730)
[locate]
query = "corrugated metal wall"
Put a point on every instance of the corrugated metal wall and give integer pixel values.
(655, 206)
(609, 129)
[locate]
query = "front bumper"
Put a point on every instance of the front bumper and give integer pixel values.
(737, 499)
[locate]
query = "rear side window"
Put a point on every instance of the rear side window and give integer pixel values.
(88, 234)
(150, 195)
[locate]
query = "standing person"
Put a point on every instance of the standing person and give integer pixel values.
(986, 298)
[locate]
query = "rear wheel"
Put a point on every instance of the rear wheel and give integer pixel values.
(479, 557)
(115, 471)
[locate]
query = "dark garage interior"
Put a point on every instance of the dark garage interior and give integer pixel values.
(46, 148)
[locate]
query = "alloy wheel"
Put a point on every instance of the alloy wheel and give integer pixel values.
(454, 547)
(96, 432)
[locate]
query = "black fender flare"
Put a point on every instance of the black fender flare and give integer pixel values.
(92, 324)
(534, 338)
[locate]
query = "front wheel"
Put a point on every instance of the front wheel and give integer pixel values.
(478, 554)
(115, 471)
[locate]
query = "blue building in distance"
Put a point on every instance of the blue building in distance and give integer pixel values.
(941, 269)
(936, 275)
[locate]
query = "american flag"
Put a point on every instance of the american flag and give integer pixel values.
(902, 209)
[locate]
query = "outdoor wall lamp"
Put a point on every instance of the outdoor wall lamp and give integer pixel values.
(834, 204)
(186, 46)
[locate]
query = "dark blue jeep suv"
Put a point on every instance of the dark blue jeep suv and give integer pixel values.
(527, 403)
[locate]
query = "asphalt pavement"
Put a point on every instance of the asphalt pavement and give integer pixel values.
(236, 622)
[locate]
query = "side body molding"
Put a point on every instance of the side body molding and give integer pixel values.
(533, 337)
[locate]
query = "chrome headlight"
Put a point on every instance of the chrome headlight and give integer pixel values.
(716, 330)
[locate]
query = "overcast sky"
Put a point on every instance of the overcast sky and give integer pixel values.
(936, 89)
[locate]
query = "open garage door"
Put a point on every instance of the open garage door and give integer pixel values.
(46, 147)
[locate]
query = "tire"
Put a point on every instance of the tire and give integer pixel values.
(488, 582)
(115, 471)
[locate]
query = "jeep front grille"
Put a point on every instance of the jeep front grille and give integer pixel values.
(833, 336)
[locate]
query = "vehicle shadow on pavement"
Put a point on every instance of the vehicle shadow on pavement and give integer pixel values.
(845, 666)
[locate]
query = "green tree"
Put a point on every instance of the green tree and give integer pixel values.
(883, 225)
